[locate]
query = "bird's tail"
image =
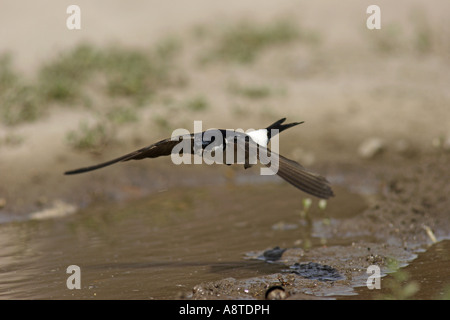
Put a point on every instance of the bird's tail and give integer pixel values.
(278, 127)
(297, 175)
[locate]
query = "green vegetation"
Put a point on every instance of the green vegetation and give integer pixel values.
(78, 76)
(197, 103)
(161, 122)
(132, 73)
(62, 80)
(103, 78)
(388, 39)
(251, 92)
(125, 73)
(168, 48)
(89, 137)
(398, 286)
(121, 115)
(11, 139)
(114, 82)
(18, 101)
(424, 38)
(244, 41)
(7, 75)
(304, 212)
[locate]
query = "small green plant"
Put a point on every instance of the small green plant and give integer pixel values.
(19, 102)
(89, 137)
(8, 78)
(62, 79)
(388, 40)
(197, 103)
(86, 74)
(128, 73)
(161, 122)
(251, 92)
(11, 140)
(322, 204)
(125, 72)
(424, 38)
(121, 115)
(399, 285)
(304, 213)
(168, 48)
(244, 41)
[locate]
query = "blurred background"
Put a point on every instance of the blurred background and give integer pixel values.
(138, 70)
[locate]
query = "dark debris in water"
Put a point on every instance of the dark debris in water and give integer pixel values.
(316, 271)
(272, 254)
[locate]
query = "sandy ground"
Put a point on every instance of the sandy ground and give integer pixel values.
(346, 90)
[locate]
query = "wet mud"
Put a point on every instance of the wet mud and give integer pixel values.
(410, 215)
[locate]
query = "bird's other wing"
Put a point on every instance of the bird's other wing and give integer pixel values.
(158, 149)
(291, 171)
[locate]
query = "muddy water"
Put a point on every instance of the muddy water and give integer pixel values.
(161, 246)
(426, 277)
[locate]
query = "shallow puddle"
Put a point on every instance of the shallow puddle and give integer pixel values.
(426, 277)
(165, 244)
(161, 246)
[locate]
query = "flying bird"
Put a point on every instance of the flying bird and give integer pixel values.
(232, 147)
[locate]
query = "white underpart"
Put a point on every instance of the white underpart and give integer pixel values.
(259, 136)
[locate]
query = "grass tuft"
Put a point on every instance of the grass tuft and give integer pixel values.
(243, 42)
(89, 137)
(197, 103)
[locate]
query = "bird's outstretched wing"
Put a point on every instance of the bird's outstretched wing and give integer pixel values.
(287, 169)
(158, 149)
